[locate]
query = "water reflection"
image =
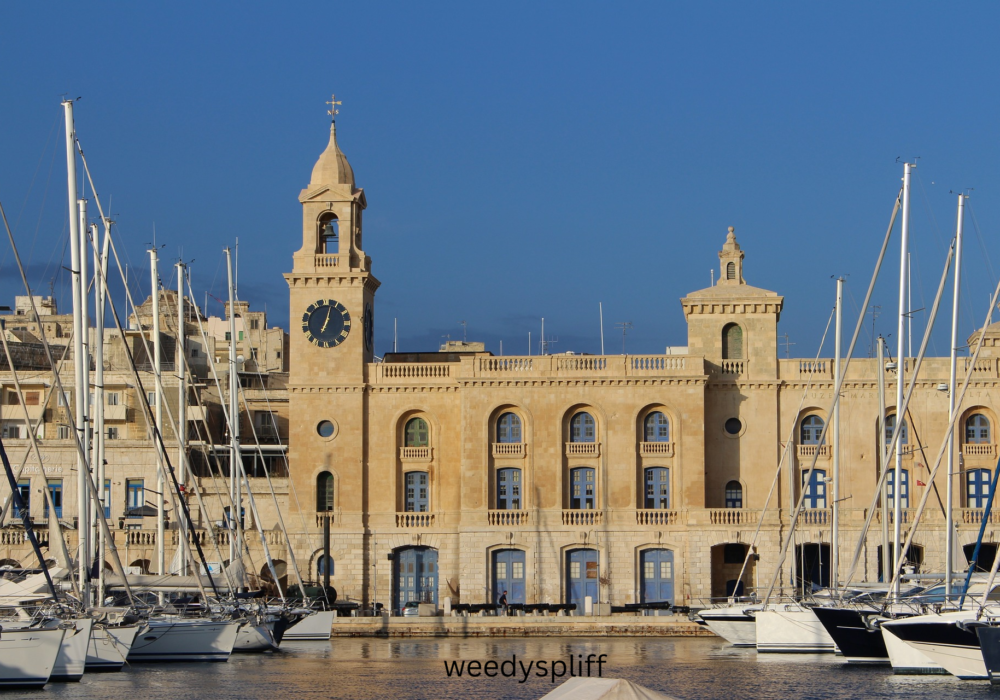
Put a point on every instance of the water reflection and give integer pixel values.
(372, 668)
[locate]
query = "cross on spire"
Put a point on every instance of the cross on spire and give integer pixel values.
(333, 111)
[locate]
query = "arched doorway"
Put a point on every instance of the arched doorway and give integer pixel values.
(657, 570)
(727, 562)
(812, 566)
(508, 575)
(914, 557)
(987, 552)
(414, 576)
(583, 576)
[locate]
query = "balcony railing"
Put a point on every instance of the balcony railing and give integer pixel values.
(979, 449)
(732, 516)
(510, 449)
(656, 449)
(906, 515)
(733, 367)
(327, 260)
(974, 516)
(415, 454)
(507, 518)
(810, 451)
(582, 517)
(583, 449)
(815, 516)
(414, 519)
(656, 516)
(323, 517)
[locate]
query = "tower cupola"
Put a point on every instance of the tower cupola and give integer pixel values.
(332, 167)
(731, 261)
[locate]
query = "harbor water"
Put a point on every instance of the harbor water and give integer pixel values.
(688, 668)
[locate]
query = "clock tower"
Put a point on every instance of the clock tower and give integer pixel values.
(331, 297)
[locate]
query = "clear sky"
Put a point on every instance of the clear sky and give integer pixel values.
(520, 160)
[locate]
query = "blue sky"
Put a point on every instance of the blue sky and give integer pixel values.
(520, 160)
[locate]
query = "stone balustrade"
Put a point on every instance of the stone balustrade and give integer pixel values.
(583, 449)
(810, 451)
(582, 517)
(979, 449)
(416, 454)
(510, 449)
(507, 518)
(732, 516)
(656, 449)
(814, 516)
(324, 260)
(974, 516)
(414, 519)
(656, 516)
(733, 367)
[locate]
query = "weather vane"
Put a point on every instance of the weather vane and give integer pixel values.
(333, 111)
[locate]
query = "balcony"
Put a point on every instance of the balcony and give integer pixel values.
(979, 449)
(416, 454)
(582, 517)
(656, 449)
(656, 516)
(814, 516)
(116, 412)
(734, 516)
(324, 517)
(974, 516)
(810, 451)
(16, 412)
(324, 260)
(414, 519)
(731, 368)
(510, 450)
(507, 518)
(583, 449)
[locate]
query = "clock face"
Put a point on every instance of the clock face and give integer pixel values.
(369, 327)
(326, 323)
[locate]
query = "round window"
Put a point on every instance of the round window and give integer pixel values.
(734, 426)
(325, 429)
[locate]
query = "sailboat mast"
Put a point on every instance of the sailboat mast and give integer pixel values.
(835, 527)
(181, 409)
(883, 463)
(900, 367)
(80, 396)
(97, 456)
(234, 424)
(161, 484)
(949, 527)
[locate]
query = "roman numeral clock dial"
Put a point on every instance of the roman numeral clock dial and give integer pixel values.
(326, 323)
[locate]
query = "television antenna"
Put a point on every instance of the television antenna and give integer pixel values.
(626, 326)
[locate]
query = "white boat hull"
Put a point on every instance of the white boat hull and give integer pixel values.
(27, 657)
(72, 659)
(792, 629)
(945, 641)
(732, 623)
(109, 647)
(908, 661)
(255, 638)
(315, 627)
(184, 640)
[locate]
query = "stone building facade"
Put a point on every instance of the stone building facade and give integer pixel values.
(623, 478)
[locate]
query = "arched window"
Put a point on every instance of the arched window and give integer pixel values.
(734, 495)
(812, 428)
(582, 488)
(977, 429)
(417, 500)
(324, 566)
(730, 271)
(977, 487)
(329, 234)
(416, 433)
(890, 426)
(509, 428)
(509, 489)
(581, 428)
(324, 492)
(657, 488)
(657, 428)
(815, 489)
(904, 489)
(732, 342)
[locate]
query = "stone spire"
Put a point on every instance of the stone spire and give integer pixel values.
(332, 167)
(731, 261)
